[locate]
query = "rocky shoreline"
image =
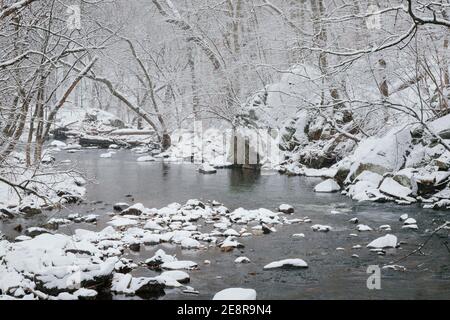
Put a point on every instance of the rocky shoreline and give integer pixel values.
(91, 264)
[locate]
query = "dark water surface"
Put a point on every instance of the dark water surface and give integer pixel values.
(331, 274)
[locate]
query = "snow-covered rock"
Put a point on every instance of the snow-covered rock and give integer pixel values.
(134, 210)
(177, 275)
(235, 294)
(298, 235)
(392, 188)
(410, 221)
(363, 227)
(387, 241)
(146, 159)
(320, 228)
(327, 186)
(206, 169)
(242, 260)
(179, 264)
(410, 226)
(189, 243)
(287, 264)
(286, 208)
(119, 222)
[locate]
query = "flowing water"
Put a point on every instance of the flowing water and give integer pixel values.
(331, 274)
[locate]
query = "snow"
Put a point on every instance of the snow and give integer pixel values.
(391, 187)
(189, 243)
(286, 208)
(85, 293)
(327, 186)
(177, 265)
(231, 232)
(287, 263)
(58, 144)
(146, 159)
(242, 260)
(371, 177)
(176, 275)
(387, 241)
(235, 294)
(122, 222)
(363, 227)
(320, 228)
(410, 226)
(298, 235)
(135, 210)
(206, 169)
(153, 225)
(106, 155)
(410, 221)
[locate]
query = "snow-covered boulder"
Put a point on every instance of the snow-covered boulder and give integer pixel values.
(242, 260)
(320, 228)
(363, 228)
(143, 287)
(189, 243)
(120, 222)
(387, 241)
(206, 169)
(381, 154)
(178, 265)
(146, 159)
(410, 221)
(177, 275)
(327, 186)
(286, 208)
(392, 188)
(287, 264)
(235, 294)
(134, 210)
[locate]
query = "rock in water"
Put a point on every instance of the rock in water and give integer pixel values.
(134, 210)
(327, 186)
(320, 228)
(363, 227)
(189, 243)
(178, 265)
(410, 221)
(235, 294)
(387, 241)
(120, 206)
(286, 208)
(242, 260)
(287, 264)
(392, 188)
(177, 275)
(207, 169)
(146, 159)
(354, 220)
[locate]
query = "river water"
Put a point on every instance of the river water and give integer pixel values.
(331, 274)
